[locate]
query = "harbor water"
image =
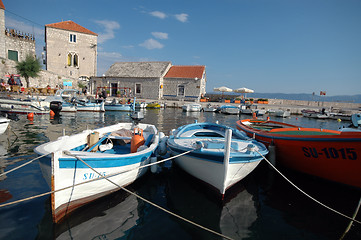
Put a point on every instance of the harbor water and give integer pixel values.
(262, 206)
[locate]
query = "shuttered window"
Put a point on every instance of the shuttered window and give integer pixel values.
(13, 55)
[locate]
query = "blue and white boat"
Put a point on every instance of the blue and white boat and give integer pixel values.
(116, 106)
(67, 97)
(90, 106)
(116, 152)
(220, 155)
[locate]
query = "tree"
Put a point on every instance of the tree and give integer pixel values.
(28, 68)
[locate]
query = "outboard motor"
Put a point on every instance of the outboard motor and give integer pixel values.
(56, 107)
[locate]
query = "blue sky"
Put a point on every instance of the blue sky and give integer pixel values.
(270, 46)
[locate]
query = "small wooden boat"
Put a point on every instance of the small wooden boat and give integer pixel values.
(192, 107)
(67, 97)
(329, 154)
(323, 114)
(279, 113)
(25, 106)
(4, 123)
(90, 106)
(209, 108)
(210, 161)
(229, 109)
(115, 152)
(153, 105)
(116, 106)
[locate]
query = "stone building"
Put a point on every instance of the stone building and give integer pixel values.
(152, 80)
(185, 83)
(71, 50)
(14, 45)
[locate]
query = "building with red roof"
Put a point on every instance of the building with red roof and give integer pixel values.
(71, 49)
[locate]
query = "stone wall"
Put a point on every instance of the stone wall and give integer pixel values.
(2, 35)
(45, 78)
(23, 46)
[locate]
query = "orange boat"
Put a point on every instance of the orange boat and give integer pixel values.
(329, 154)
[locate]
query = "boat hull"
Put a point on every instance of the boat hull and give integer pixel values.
(75, 184)
(333, 157)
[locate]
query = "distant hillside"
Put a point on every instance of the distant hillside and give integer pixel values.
(300, 96)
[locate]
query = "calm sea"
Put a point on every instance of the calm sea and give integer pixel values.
(262, 206)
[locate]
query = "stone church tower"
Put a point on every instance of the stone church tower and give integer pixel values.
(71, 49)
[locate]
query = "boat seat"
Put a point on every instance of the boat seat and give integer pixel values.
(212, 133)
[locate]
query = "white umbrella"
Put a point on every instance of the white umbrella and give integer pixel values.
(222, 89)
(243, 90)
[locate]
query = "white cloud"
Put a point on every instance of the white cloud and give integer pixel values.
(183, 17)
(160, 35)
(110, 55)
(109, 29)
(158, 14)
(151, 44)
(24, 27)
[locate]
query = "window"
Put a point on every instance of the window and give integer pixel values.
(138, 88)
(75, 58)
(180, 90)
(13, 55)
(72, 38)
(69, 59)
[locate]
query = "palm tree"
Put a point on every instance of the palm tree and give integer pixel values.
(30, 67)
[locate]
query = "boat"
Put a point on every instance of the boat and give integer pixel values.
(153, 105)
(209, 108)
(208, 159)
(192, 107)
(67, 97)
(323, 114)
(115, 152)
(4, 123)
(90, 106)
(26, 106)
(116, 106)
(328, 154)
(229, 109)
(279, 113)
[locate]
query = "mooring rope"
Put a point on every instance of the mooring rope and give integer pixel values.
(306, 194)
(81, 183)
(23, 165)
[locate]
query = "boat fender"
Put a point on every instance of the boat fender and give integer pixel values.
(162, 147)
(153, 168)
(105, 147)
(137, 140)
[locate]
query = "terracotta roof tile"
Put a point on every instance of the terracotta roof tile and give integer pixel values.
(71, 26)
(2, 5)
(185, 72)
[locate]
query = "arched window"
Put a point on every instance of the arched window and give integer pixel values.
(69, 59)
(75, 59)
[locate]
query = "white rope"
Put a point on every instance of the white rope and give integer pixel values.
(306, 194)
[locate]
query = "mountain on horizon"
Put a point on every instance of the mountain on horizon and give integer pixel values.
(299, 96)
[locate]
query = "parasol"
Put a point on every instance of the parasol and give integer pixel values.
(243, 90)
(222, 89)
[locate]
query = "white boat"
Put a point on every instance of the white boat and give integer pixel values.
(22, 106)
(229, 109)
(279, 113)
(316, 114)
(90, 106)
(192, 107)
(111, 151)
(209, 108)
(4, 123)
(216, 159)
(67, 97)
